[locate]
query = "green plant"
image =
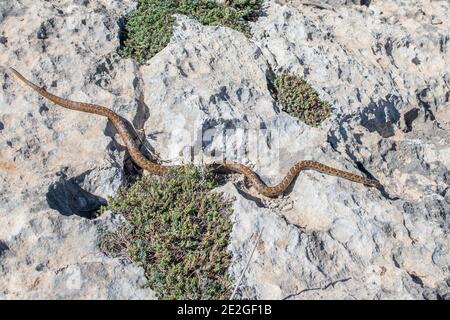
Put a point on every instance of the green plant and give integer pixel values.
(148, 29)
(178, 230)
(300, 100)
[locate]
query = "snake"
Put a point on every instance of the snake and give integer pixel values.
(161, 170)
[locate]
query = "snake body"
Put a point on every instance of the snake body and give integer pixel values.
(160, 170)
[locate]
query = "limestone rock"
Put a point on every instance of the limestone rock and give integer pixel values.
(57, 166)
(381, 65)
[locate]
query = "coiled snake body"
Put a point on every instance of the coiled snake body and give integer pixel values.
(157, 169)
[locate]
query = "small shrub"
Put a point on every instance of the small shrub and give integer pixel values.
(149, 28)
(178, 230)
(300, 100)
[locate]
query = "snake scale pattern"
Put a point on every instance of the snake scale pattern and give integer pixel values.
(157, 169)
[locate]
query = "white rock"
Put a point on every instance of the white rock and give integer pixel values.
(381, 66)
(56, 158)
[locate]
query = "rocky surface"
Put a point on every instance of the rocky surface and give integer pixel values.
(206, 95)
(57, 166)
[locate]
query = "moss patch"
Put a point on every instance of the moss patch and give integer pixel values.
(178, 230)
(300, 100)
(148, 29)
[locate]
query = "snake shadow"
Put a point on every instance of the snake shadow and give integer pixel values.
(369, 175)
(131, 170)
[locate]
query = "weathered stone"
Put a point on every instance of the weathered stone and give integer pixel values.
(52, 158)
(382, 67)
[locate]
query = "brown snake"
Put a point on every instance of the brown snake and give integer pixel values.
(156, 169)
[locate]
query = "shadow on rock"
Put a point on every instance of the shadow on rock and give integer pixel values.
(382, 116)
(3, 247)
(69, 198)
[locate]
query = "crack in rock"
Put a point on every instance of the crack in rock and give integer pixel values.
(331, 284)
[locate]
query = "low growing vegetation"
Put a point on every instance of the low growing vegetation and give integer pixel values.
(300, 100)
(148, 29)
(178, 230)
